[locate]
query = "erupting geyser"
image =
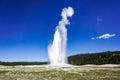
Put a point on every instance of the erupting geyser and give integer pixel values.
(57, 49)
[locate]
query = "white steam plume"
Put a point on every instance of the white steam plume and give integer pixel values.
(57, 50)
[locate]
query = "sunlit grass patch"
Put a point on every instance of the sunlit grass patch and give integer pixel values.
(68, 73)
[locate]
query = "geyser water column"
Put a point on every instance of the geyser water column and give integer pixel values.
(57, 49)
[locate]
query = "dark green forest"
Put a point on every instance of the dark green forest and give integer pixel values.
(109, 57)
(21, 63)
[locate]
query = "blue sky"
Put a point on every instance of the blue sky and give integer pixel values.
(27, 27)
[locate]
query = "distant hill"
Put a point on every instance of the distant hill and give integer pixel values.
(109, 57)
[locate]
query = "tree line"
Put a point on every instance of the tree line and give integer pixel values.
(109, 57)
(21, 63)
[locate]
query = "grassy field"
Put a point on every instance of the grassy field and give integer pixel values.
(47, 72)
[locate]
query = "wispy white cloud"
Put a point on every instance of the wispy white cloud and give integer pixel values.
(104, 36)
(98, 20)
(93, 38)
